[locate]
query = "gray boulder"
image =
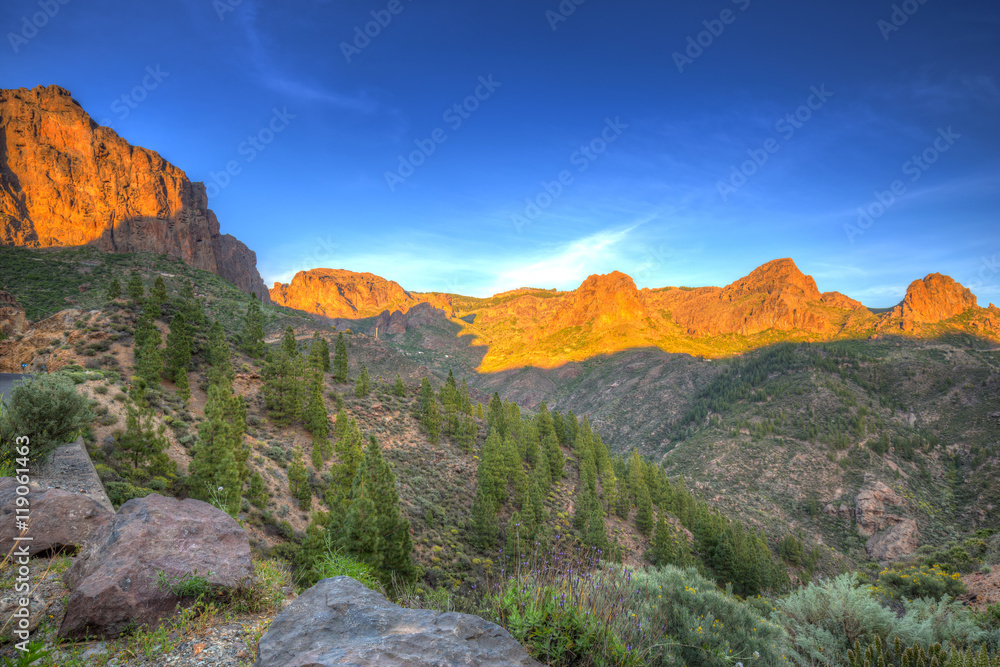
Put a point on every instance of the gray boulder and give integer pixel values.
(113, 583)
(58, 519)
(340, 622)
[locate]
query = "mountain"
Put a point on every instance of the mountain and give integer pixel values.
(608, 313)
(342, 294)
(67, 181)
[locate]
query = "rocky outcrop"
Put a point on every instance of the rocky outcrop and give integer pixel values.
(39, 345)
(338, 293)
(934, 299)
(340, 622)
(67, 181)
(59, 519)
(113, 581)
(900, 539)
(12, 319)
(870, 508)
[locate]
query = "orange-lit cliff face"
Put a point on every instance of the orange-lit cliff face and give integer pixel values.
(607, 313)
(66, 181)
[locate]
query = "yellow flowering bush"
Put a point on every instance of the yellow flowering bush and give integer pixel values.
(920, 581)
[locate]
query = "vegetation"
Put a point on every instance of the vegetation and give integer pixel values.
(48, 411)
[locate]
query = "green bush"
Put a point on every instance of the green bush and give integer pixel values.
(827, 618)
(334, 563)
(915, 581)
(121, 492)
(46, 409)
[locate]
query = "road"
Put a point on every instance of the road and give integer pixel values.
(7, 380)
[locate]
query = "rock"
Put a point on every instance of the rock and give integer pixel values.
(897, 541)
(934, 299)
(12, 319)
(113, 582)
(394, 323)
(68, 181)
(337, 293)
(869, 508)
(340, 622)
(58, 520)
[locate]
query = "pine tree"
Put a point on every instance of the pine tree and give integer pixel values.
(479, 411)
(553, 455)
(324, 354)
(319, 354)
(253, 329)
(495, 415)
(340, 359)
(257, 491)
(399, 389)
(362, 387)
(114, 289)
(289, 345)
(375, 530)
(143, 444)
(464, 402)
(432, 422)
(159, 294)
(134, 289)
(350, 454)
(317, 420)
(147, 355)
(177, 357)
(298, 481)
(219, 354)
(537, 514)
(282, 387)
(219, 455)
(467, 435)
(191, 307)
(182, 385)
(644, 516)
(485, 524)
(492, 471)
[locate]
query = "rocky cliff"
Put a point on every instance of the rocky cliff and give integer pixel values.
(67, 181)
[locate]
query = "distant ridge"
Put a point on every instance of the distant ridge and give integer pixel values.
(533, 327)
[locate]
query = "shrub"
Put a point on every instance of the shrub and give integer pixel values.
(46, 409)
(334, 563)
(121, 492)
(920, 581)
(826, 619)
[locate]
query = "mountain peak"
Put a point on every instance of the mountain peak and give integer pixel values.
(934, 298)
(778, 275)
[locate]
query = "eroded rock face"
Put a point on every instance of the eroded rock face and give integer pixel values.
(113, 581)
(900, 539)
(340, 622)
(59, 519)
(66, 181)
(12, 319)
(870, 508)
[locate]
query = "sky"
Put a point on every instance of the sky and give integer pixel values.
(476, 147)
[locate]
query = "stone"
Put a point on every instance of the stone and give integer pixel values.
(69, 181)
(900, 539)
(337, 293)
(113, 581)
(870, 508)
(59, 519)
(340, 622)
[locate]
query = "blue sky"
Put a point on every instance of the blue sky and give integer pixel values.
(615, 125)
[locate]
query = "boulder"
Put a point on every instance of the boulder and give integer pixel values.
(340, 622)
(113, 582)
(59, 519)
(893, 543)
